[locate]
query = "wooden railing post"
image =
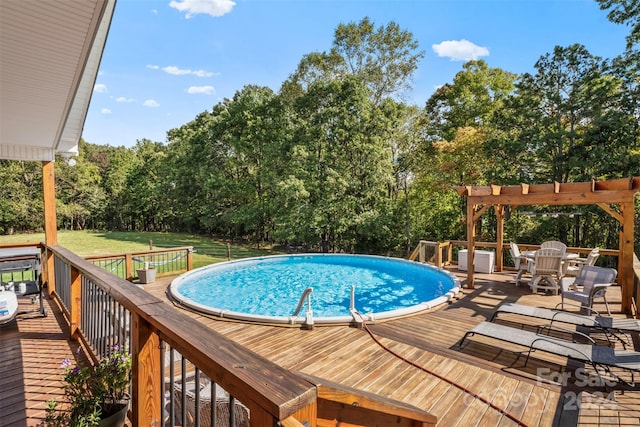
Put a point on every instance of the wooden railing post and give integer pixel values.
(422, 254)
(189, 259)
(128, 267)
(76, 303)
(146, 389)
(48, 272)
(307, 416)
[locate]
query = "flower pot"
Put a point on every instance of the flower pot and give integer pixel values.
(146, 275)
(116, 420)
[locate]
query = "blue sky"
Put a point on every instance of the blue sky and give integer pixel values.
(166, 61)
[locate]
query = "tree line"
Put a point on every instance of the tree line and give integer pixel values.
(335, 160)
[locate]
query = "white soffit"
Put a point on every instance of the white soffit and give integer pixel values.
(50, 53)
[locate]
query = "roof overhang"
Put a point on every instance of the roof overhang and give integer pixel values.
(50, 53)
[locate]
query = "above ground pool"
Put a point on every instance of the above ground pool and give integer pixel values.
(314, 288)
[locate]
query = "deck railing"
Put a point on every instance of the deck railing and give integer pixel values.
(170, 261)
(436, 253)
(445, 253)
(172, 352)
(103, 309)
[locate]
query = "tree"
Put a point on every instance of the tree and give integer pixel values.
(20, 196)
(255, 130)
(624, 12)
(384, 59)
(334, 189)
(146, 203)
(114, 165)
(556, 102)
(80, 194)
(472, 99)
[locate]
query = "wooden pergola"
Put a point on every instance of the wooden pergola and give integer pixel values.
(606, 194)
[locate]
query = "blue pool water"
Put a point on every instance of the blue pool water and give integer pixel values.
(270, 287)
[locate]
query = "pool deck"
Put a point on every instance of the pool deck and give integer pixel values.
(33, 348)
(430, 342)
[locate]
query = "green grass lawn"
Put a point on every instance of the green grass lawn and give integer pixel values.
(95, 243)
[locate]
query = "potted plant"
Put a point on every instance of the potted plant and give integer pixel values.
(97, 395)
(146, 274)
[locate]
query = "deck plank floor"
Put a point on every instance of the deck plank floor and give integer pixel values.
(33, 348)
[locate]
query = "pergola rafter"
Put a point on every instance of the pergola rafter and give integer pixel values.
(605, 194)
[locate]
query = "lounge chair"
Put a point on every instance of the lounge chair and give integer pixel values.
(598, 356)
(608, 325)
(594, 282)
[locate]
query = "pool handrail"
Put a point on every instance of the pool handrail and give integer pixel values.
(309, 318)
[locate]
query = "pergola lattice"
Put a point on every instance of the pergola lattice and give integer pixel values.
(606, 194)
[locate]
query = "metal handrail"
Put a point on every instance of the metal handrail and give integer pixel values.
(306, 294)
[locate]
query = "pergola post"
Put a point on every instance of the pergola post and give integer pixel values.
(499, 236)
(471, 242)
(625, 259)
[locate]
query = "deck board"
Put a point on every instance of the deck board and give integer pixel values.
(33, 349)
(349, 356)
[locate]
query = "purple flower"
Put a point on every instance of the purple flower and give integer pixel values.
(66, 363)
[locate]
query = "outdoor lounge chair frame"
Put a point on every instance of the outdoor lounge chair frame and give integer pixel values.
(609, 326)
(199, 401)
(597, 356)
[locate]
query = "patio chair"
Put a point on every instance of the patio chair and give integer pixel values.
(546, 270)
(610, 326)
(575, 264)
(554, 244)
(520, 261)
(204, 411)
(597, 356)
(593, 281)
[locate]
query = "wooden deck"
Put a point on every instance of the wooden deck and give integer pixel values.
(34, 347)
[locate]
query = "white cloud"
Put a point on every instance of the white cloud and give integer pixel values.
(205, 90)
(214, 8)
(154, 11)
(153, 67)
(100, 88)
(182, 72)
(460, 50)
(105, 111)
(150, 103)
(123, 99)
